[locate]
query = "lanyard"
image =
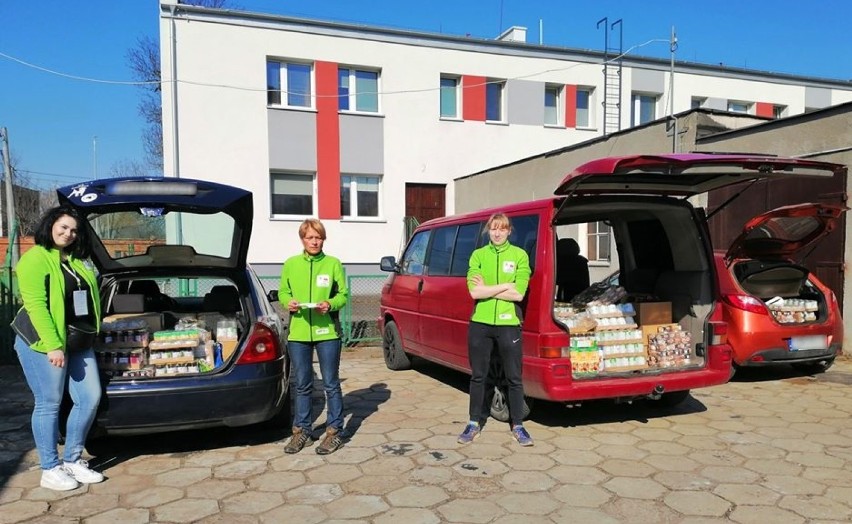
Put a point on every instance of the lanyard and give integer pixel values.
(67, 268)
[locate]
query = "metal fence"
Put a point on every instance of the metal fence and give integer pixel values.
(359, 318)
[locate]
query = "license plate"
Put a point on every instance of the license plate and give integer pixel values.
(808, 342)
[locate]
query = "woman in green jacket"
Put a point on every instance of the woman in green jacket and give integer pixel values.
(60, 293)
(497, 278)
(313, 288)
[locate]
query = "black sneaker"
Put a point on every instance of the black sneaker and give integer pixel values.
(300, 439)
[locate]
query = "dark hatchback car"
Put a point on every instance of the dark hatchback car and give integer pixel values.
(189, 339)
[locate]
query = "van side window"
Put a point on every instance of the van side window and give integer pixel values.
(466, 243)
(524, 235)
(413, 259)
(441, 250)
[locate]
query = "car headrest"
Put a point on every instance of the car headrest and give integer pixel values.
(144, 287)
(222, 299)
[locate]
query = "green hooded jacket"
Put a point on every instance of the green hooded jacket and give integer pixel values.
(313, 279)
(499, 265)
(47, 313)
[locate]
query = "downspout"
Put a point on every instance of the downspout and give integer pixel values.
(175, 150)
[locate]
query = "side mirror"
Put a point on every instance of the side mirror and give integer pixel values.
(389, 264)
(272, 295)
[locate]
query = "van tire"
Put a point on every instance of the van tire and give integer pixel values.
(814, 368)
(395, 357)
(670, 400)
(500, 407)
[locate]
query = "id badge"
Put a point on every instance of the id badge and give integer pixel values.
(81, 303)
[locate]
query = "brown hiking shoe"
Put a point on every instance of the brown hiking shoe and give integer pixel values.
(330, 443)
(299, 440)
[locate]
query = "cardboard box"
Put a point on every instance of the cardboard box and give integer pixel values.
(653, 313)
(228, 348)
(154, 320)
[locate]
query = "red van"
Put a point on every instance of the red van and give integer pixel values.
(657, 334)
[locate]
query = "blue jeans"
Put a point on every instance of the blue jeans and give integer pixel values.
(301, 358)
(48, 382)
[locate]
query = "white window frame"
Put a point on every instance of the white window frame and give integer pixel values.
(502, 83)
(456, 93)
(700, 100)
(560, 105)
(353, 198)
(314, 196)
(282, 81)
(597, 238)
(779, 111)
(353, 89)
(636, 104)
(746, 105)
(591, 124)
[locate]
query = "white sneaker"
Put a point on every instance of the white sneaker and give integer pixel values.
(58, 479)
(81, 472)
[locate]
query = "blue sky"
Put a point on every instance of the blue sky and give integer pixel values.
(52, 120)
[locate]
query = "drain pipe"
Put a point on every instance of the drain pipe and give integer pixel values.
(174, 89)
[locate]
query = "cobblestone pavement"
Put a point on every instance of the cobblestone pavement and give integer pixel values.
(769, 447)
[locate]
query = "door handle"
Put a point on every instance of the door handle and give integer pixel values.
(420, 286)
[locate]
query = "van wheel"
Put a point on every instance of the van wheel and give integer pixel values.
(500, 406)
(814, 368)
(395, 358)
(670, 400)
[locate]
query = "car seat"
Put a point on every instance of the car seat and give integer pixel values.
(572, 270)
(155, 300)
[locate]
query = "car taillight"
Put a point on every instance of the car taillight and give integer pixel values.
(718, 333)
(746, 303)
(261, 346)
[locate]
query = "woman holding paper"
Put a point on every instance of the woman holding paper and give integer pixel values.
(313, 286)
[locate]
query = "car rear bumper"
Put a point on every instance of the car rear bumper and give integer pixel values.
(775, 356)
(243, 395)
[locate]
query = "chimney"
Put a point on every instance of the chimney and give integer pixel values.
(514, 34)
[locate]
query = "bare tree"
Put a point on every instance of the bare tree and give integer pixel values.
(127, 168)
(144, 62)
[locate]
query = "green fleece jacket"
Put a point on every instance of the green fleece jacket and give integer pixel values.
(48, 313)
(311, 280)
(499, 265)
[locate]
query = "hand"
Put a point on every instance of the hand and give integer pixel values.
(56, 358)
(293, 305)
(324, 307)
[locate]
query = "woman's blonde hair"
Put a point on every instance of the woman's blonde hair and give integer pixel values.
(500, 219)
(312, 223)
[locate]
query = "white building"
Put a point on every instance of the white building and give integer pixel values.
(362, 126)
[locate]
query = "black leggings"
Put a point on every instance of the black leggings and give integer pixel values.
(482, 340)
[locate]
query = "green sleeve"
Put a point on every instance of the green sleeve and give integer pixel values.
(522, 272)
(32, 275)
(474, 268)
(285, 294)
(342, 297)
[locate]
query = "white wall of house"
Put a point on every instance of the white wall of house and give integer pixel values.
(222, 123)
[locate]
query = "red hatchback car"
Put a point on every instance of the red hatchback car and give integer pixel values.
(777, 311)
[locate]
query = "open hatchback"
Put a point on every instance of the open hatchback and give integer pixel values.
(188, 338)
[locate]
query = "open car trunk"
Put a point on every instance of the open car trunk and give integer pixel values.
(789, 296)
(653, 317)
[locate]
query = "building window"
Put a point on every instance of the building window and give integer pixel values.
(697, 102)
(292, 194)
(450, 96)
(288, 84)
(358, 90)
(494, 100)
(779, 111)
(360, 196)
(552, 97)
(598, 235)
(738, 107)
(584, 107)
(644, 109)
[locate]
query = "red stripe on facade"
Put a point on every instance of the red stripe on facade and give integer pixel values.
(473, 98)
(570, 105)
(328, 141)
(764, 109)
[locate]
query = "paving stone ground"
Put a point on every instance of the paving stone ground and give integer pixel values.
(769, 447)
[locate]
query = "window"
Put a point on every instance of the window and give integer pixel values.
(738, 107)
(494, 100)
(449, 97)
(465, 244)
(644, 109)
(415, 254)
(584, 107)
(359, 196)
(552, 114)
(358, 90)
(292, 194)
(441, 250)
(779, 111)
(290, 79)
(697, 102)
(598, 234)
